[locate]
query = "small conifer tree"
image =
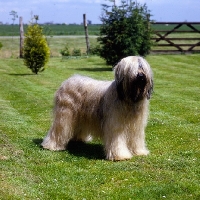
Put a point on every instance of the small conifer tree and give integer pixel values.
(36, 50)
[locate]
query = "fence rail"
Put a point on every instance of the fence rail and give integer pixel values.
(175, 39)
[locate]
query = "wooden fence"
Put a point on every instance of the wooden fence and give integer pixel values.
(176, 37)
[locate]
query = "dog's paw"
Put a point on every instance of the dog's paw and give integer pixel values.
(141, 152)
(125, 155)
(53, 146)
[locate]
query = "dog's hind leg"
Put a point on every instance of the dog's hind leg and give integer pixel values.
(61, 131)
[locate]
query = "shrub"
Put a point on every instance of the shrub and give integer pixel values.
(1, 45)
(125, 31)
(65, 51)
(76, 52)
(95, 50)
(36, 50)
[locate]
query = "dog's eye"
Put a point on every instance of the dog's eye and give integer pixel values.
(140, 74)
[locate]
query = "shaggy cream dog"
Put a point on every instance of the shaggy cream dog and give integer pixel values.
(115, 111)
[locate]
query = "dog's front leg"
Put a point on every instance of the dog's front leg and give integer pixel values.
(116, 148)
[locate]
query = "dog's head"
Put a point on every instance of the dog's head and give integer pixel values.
(134, 79)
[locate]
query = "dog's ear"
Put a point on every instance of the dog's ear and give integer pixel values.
(119, 79)
(150, 90)
(120, 89)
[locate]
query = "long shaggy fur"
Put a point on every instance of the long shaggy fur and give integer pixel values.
(114, 111)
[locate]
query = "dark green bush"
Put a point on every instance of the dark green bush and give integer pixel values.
(125, 31)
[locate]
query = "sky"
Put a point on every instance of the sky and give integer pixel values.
(71, 11)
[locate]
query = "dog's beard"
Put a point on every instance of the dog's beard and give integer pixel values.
(137, 88)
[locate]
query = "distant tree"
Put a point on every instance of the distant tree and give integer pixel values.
(124, 31)
(36, 50)
(36, 17)
(14, 16)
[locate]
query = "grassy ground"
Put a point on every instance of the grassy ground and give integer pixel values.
(171, 171)
(10, 47)
(11, 44)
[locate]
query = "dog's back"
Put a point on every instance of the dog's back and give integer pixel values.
(77, 88)
(83, 97)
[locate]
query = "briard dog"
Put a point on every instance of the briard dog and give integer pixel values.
(114, 111)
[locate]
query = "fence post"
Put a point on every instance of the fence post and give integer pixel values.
(86, 33)
(21, 37)
(148, 21)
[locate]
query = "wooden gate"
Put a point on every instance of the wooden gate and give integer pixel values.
(176, 37)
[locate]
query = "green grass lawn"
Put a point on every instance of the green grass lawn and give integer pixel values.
(171, 171)
(10, 47)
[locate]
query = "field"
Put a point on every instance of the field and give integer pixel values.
(11, 44)
(171, 171)
(73, 29)
(56, 43)
(61, 29)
